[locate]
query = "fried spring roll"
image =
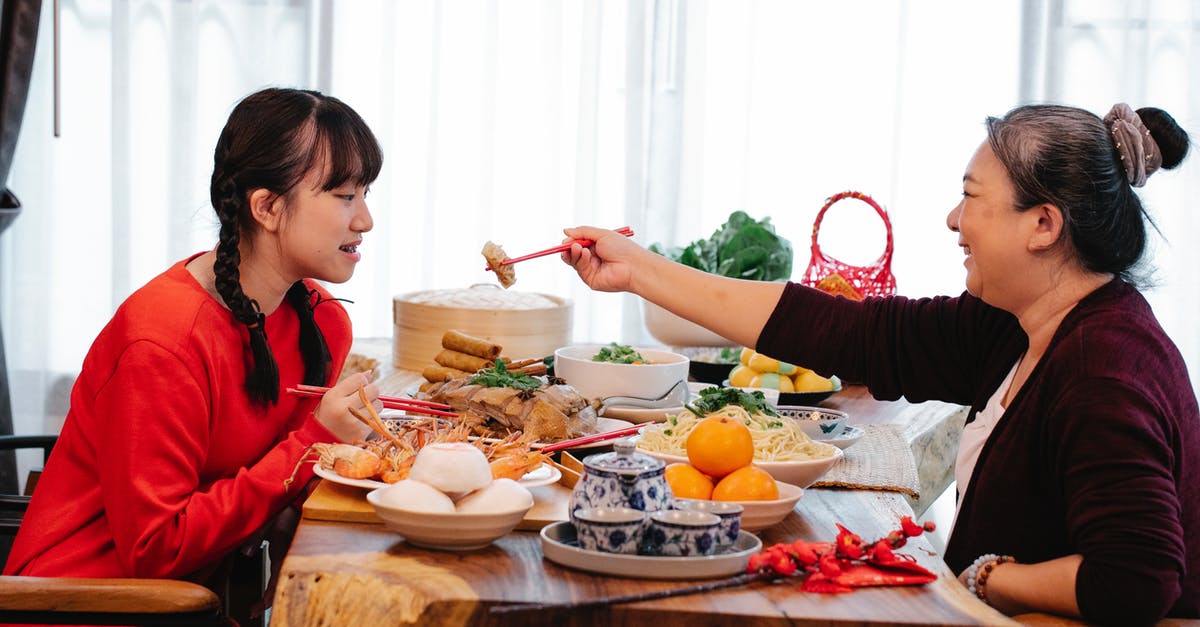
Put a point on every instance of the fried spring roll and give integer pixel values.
(462, 361)
(471, 345)
(435, 374)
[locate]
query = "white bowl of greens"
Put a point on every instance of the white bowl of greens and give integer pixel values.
(599, 371)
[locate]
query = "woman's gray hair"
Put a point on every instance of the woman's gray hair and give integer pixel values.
(1066, 157)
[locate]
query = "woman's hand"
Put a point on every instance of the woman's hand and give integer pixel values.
(334, 409)
(609, 264)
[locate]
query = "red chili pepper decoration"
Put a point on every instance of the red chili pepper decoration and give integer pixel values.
(847, 562)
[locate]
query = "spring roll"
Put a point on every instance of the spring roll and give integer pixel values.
(471, 345)
(436, 373)
(462, 361)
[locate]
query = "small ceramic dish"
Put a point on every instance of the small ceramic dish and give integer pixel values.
(610, 529)
(817, 423)
(759, 515)
(846, 437)
(729, 512)
(681, 532)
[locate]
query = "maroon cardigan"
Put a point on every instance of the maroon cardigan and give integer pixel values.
(1098, 454)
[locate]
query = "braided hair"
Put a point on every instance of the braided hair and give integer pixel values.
(272, 139)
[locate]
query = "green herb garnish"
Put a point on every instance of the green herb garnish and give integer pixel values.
(499, 377)
(714, 398)
(619, 354)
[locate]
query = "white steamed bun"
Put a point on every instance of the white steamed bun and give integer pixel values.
(416, 496)
(452, 467)
(501, 495)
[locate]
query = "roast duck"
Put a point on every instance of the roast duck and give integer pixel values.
(552, 412)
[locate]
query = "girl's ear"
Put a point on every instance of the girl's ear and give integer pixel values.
(266, 208)
(1049, 227)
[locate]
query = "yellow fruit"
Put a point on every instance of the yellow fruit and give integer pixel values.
(747, 353)
(812, 382)
(688, 483)
(741, 376)
(762, 363)
(749, 483)
(771, 380)
(719, 445)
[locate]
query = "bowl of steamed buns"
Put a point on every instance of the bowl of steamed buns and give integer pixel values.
(450, 501)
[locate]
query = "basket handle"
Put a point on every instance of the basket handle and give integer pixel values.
(886, 258)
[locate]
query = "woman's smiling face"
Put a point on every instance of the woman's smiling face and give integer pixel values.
(990, 230)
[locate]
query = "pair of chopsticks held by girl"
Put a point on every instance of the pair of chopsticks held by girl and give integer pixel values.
(1071, 469)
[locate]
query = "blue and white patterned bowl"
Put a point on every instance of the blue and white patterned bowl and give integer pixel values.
(729, 512)
(610, 529)
(681, 532)
(817, 423)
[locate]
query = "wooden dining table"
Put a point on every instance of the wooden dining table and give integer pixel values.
(355, 571)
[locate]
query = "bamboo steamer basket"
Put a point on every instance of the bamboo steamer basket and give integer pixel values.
(526, 324)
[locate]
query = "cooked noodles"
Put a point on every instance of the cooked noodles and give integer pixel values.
(776, 439)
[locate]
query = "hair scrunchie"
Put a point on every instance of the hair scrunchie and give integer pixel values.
(1140, 155)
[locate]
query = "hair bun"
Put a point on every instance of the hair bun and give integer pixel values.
(1172, 140)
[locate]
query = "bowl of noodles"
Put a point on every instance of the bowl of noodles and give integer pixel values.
(780, 446)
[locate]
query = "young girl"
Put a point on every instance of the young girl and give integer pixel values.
(180, 442)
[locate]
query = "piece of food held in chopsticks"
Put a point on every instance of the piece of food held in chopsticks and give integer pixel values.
(495, 256)
(501, 263)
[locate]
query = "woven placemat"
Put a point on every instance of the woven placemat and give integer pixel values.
(881, 460)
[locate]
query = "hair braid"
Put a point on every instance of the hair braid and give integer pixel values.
(262, 382)
(313, 347)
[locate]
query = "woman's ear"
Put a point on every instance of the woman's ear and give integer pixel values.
(266, 207)
(1049, 227)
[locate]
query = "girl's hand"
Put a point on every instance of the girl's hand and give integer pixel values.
(334, 409)
(609, 264)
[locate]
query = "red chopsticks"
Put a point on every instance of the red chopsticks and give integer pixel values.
(391, 402)
(626, 231)
(589, 439)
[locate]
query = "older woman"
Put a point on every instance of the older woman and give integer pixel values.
(1083, 423)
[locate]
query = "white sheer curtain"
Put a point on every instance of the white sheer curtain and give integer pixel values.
(510, 119)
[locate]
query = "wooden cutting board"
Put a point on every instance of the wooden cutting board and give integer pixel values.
(333, 501)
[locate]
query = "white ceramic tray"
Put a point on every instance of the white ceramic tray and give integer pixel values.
(540, 476)
(559, 546)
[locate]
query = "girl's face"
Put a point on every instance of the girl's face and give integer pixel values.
(322, 230)
(990, 231)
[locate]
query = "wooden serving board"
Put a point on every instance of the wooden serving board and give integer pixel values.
(341, 503)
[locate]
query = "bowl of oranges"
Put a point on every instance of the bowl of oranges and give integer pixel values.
(713, 455)
(736, 429)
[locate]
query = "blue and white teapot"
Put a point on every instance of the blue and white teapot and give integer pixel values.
(622, 478)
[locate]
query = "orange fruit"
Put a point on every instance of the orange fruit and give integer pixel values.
(688, 483)
(749, 483)
(719, 445)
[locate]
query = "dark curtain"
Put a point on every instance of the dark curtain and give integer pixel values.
(18, 39)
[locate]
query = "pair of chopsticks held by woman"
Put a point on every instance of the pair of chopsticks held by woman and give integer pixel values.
(180, 446)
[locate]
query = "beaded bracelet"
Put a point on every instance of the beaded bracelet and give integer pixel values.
(979, 571)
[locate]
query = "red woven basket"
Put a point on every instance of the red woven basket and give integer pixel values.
(875, 279)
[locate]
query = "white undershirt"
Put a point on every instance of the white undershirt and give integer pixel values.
(974, 436)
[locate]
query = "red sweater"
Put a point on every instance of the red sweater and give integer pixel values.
(164, 465)
(1098, 454)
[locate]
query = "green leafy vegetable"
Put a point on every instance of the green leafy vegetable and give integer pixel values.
(619, 354)
(714, 398)
(499, 377)
(742, 248)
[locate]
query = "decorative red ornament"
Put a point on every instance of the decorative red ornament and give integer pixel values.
(847, 562)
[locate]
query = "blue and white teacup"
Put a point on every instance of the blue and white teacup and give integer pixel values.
(681, 532)
(609, 529)
(729, 513)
